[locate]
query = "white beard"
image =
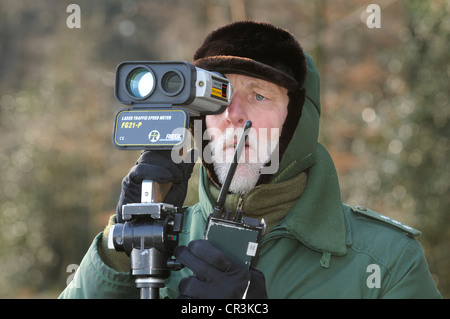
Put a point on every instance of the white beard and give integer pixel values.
(250, 162)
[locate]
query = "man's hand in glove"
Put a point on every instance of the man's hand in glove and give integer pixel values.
(156, 166)
(216, 275)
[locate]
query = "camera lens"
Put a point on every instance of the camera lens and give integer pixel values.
(172, 82)
(141, 82)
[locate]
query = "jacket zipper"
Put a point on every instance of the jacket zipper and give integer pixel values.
(242, 198)
(240, 203)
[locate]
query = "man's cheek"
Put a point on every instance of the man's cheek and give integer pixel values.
(215, 121)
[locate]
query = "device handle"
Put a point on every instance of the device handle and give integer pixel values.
(153, 192)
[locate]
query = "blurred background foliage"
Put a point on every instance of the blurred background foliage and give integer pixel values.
(385, 94)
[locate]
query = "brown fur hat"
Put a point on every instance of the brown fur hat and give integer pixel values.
(260, 50)
(257, 49)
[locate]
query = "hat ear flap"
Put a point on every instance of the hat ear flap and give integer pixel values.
(294, 112)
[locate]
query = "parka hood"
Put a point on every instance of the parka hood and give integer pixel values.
(299, 154)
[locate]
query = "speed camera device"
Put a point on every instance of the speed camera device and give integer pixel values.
(161, 96)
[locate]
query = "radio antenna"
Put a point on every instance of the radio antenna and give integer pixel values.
(231, 169)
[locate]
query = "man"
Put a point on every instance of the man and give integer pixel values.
(315, 246)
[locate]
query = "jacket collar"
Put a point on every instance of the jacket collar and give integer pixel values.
(317, 219)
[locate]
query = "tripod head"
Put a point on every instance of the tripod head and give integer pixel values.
(149, 236)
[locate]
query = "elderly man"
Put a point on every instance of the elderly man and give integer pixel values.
(314, 246)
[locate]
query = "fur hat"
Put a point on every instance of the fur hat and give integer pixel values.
(260, 50)
(257, 49)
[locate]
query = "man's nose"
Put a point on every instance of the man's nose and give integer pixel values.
(235, 112)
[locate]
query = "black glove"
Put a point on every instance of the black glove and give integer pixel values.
(216, 275)
(156, 166)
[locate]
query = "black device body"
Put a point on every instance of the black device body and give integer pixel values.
(239, 240)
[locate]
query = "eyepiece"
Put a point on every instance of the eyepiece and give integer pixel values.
(172, 83)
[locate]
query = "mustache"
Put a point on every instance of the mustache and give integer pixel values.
(258, 148)
(229, 140)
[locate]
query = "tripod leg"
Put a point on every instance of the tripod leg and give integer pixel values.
(149, 287)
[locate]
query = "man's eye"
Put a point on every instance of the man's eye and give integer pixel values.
(259, 97)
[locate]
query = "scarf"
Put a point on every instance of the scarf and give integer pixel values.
(270, 202)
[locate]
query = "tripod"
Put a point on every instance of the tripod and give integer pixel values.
(149, 236)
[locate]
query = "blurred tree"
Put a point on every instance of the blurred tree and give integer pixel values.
(58, 165)
(422, 141)
(386, 115)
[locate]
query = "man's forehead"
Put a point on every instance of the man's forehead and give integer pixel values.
(252, 82)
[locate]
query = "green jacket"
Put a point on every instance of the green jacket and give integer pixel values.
(322, 248)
